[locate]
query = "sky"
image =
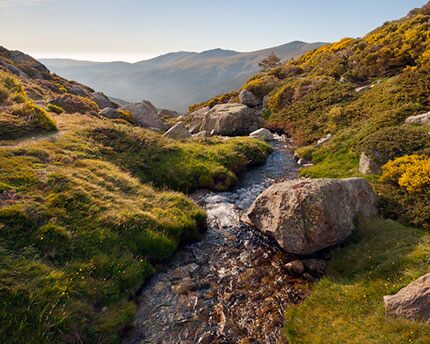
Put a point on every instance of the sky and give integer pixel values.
(133, 30)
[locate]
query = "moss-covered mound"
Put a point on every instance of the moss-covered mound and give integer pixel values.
(185, 166)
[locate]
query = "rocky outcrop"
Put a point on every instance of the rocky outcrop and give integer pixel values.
(202, 134)
(305, 216)
(168, 113)
(411, 302)
(370, 163)
(102, 101)
(178, 131)
(13, 69)
(77, 90)
(145, 114)
(249, 99)
(419, 119)
(226, 119)
(262, 134)
(30, 66)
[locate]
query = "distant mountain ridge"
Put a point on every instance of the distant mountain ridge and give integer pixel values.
(174, 80)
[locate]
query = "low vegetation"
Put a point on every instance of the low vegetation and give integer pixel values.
(360, 91)
(20, 116)
(55, 109)
(405, 190)
(81, 228)
(346, 305)
(207, 163)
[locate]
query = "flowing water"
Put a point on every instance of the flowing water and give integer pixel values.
(231, 287)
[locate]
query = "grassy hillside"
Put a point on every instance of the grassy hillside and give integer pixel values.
(360, 91)
(87, 208)
(346, 306)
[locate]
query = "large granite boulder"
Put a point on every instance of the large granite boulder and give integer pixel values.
(178, 132)
(102, 101)
(226, 119)
(249, 99)
(145, 114)
(419, 119)
(305, 216)
(411, 302)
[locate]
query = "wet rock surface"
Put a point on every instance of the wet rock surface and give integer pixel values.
(231, 287)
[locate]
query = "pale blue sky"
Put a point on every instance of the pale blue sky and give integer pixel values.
(133, 30)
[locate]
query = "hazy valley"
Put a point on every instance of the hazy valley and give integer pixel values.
(176, 80)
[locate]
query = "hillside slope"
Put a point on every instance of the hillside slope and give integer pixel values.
(89, 206)
(174, 80)
(360, 91)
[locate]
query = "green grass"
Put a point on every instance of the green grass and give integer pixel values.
(346, 306)
(24, 119)
(81, 226)
(19, 116)
(184, 166)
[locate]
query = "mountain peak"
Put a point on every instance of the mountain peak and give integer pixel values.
(218, 52)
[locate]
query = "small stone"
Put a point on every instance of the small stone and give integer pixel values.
(317, 266)
(419, 119)
(295, 267)
(302, 162)
(411, 302)
(308, 277)
(262, 134)
(184, 286)
(202, 134)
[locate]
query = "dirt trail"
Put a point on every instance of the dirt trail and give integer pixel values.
(23, 141)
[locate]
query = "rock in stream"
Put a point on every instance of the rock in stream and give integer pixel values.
(231, 287)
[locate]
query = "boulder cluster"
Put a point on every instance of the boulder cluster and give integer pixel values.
(230, 119)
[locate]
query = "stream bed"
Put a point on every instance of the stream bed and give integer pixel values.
(232, 286)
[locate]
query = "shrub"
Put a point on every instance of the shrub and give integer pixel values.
(71, 104)
(54, 108)
(305, 152)
(4, 94)
(24, 119)
(405, 189)
(126, 116)
(389, 143)
(261, 85)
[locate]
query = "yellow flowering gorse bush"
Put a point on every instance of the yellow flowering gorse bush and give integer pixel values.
(410, 172)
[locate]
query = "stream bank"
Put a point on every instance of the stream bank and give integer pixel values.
(232, 286)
